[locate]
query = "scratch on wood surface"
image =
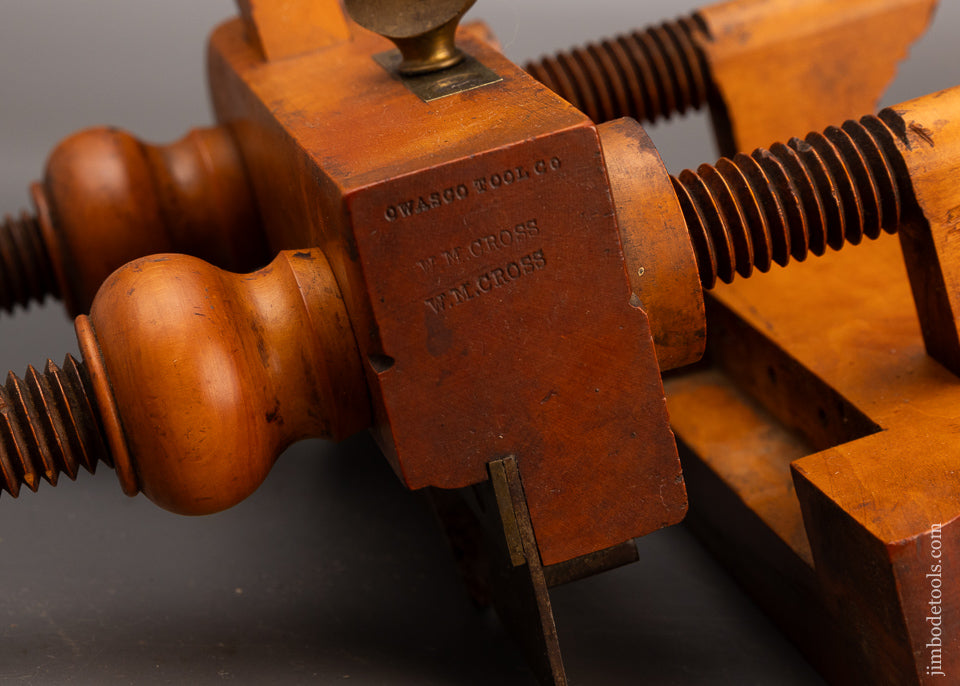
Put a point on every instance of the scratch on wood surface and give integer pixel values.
(925, 134)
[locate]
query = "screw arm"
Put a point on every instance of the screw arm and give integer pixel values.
(648, 74)
(48, 424)
(26, 271)
(825, 190)
(723, 56)
(748, 212)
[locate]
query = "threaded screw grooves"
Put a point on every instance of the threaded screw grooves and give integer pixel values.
(645, 75)
(26, 272)
(48, 425)
(753, 210)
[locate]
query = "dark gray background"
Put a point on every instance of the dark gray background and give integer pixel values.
(331, 572)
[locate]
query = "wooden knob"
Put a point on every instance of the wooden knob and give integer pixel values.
(203, 377)
(108, 198)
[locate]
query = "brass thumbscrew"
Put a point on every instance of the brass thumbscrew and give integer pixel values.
(423, 31)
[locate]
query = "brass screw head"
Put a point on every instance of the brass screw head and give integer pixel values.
(423, 30)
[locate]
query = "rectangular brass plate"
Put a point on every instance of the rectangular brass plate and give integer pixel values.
(466, 76)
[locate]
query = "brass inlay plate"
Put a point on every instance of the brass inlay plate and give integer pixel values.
(466, 76)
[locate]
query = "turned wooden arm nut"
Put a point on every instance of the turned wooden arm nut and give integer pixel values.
(657, 251)
(108, 198)
(203, 377)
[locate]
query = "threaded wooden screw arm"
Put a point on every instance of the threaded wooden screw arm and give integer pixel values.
(107, 198)
(193, 381)
(744, 61)
(49, 425)
(892, 172)
(647, 74)
(825, 190)
(26, 271)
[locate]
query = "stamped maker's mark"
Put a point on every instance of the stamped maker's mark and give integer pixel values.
(515, 237)
(436, 198)
(487, 282)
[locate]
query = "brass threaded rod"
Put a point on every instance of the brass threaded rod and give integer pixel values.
(26, 271)
(647, 74)
(825, 190)
(48, 424)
